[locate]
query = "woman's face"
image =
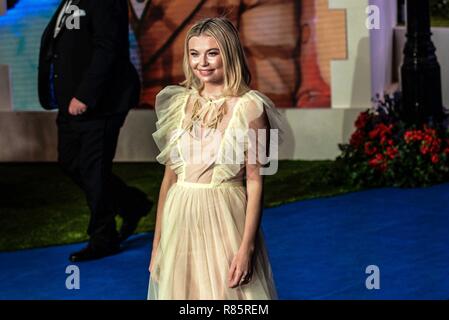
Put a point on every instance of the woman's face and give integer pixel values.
(205, 59)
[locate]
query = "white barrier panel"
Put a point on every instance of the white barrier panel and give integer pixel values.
(312, 134)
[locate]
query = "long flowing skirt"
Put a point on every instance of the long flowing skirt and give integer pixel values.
(201, 231)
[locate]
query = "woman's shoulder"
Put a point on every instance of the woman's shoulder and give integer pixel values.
(254, 103)
(172, 90)
(170, 96)
(259, 106)
(256, 97)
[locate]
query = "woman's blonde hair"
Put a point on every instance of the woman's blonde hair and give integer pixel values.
(237, 75)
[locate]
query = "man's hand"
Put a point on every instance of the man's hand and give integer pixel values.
(76, 107)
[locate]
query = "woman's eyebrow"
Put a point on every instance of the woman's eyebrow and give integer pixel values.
(211, 49)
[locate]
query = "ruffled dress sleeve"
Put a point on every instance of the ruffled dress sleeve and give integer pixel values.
(266, 127)
(255, 111)
(169, 105)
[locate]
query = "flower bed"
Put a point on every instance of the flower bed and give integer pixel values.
(385, 151)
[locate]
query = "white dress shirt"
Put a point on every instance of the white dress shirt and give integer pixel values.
(58, 25)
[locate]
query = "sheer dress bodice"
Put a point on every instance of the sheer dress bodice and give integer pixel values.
(209, 156)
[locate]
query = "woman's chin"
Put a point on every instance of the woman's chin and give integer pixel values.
(208, 78)
(211, 80)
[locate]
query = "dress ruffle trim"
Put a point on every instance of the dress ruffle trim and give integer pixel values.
(169, 111)
(236, 141)
(169, 107)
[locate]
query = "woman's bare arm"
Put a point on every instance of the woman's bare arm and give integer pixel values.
(255, 182)
(169, 179)
(241, 268)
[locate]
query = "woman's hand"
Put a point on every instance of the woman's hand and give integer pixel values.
(241, 269)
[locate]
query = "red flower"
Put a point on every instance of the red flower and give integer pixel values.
(435, 147)
(381, 130)
(357, 138)
(424, 149)
(408, 136)
(369, 149)
(430, 131)
(435, 158)
(391, 152)
(413, 135)
(430, 142)
(362, 119)
(374, 133)
(377, 160)
(387, 129)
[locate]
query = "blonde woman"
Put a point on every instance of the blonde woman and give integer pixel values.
(207, 241)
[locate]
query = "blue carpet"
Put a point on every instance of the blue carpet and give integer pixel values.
(319, 249)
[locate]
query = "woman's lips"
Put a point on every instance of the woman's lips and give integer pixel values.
(205, 72)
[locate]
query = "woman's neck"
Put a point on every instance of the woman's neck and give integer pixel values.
(212, 90)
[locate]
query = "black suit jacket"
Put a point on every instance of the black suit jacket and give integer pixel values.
(91, 63)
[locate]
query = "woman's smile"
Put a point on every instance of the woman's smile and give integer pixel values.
(206, 73)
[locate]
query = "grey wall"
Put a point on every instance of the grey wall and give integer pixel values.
(311, 134)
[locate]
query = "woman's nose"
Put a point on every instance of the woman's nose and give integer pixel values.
(204, 61)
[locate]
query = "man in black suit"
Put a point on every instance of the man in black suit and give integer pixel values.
(85, 72)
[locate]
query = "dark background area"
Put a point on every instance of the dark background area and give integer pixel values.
(11, 3)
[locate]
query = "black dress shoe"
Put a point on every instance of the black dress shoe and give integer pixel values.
(93, 252)
(131, 220)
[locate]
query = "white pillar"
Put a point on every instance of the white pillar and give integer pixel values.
(382, 45)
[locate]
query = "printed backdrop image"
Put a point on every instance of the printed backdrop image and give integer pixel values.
(281, 39)
(289, 43)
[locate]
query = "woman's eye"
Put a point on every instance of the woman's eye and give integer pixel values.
(194, 54)
(214, 53)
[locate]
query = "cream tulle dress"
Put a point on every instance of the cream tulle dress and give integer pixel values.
(204, 211)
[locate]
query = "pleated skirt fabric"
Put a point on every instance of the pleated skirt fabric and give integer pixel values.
(202, 228)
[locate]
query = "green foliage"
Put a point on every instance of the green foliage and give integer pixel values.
(439, 12)
(41, 207)
(439, 8)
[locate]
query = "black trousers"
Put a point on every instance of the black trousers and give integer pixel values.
(85, 152)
